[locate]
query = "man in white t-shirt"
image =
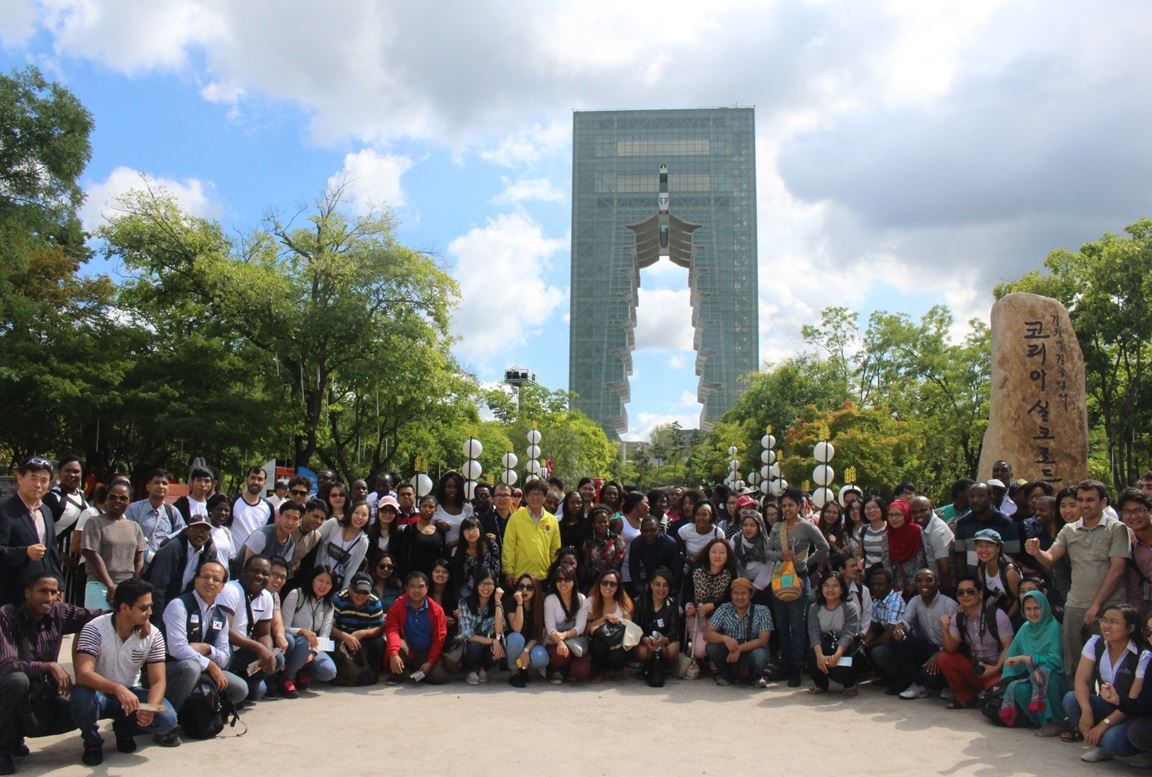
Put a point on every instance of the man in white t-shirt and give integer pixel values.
(938, 540)
(250, 626)
(251, 510)
(110, 652)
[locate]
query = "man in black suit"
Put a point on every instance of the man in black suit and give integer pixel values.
(27, 532)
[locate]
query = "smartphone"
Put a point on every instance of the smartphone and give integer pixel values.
(417, 676)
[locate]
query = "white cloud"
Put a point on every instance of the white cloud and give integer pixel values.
(194, 196)
(501, 269)
(527, 189)
(372, 179)
(17, 22)
(529, 145)
(688, 399)
(664, 319)
(641, 428)
(676, 362)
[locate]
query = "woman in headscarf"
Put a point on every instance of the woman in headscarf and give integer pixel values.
(1033, 675)
(750, 549)
(906, 552)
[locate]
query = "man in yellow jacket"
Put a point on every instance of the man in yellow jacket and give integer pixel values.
(532, 537)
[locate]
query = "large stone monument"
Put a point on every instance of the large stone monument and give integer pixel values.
(1037, 417)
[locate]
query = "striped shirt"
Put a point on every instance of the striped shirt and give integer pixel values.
(348, 617)
(116, 659)
(43, 637)
(875, 546)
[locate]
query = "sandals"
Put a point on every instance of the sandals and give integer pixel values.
(1072, 736)
(850, 691)
(956, 704)
(816, 691)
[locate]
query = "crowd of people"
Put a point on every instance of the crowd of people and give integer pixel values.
(1027, 602)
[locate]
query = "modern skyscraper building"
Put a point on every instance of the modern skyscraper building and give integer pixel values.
(679, 184)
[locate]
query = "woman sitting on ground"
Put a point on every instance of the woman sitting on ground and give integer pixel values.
(481, 627)
(1033, 676)
(307, 611)
(833, 628)
(1137, 705)
(1110, 658)
(659, 618)
(524, 610)
(607, 605)
(565, 619)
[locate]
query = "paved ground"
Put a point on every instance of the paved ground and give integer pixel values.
(691, 728)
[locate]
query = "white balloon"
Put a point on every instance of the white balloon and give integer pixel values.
(764, 486)
(767, 441)
(822, 496)
(732, 450)
(472, 448)
(534, 437)
(469, 489)
(509, 460)
(471, 470)
(823, 475)
(533, 451)
(774, 471)
(422, 484)
(823, 452)
(508, 477)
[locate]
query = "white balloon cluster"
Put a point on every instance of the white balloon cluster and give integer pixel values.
(733, 480)
(471, 469)
(534, 467)
(771, 480)
(508, 461)
(823, 475)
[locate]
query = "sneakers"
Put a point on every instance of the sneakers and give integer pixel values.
(762, 682)
(794, 678)
(125, 744)
(472, 678)
(7, 765)
(1095, 755)
(1140, 761)
(914, 691)
(483, 675)
(519, 679)
(288, 690)
(557, 678)
(20, 749)
(721, 680)
(171, 739)
(947, 695)
(93, 756)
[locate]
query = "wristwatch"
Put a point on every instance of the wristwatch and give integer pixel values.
(1107, 723)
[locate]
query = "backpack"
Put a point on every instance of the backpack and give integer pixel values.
(988, 618)
(205, 712)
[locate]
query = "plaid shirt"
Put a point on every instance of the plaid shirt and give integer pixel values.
(45, 637)
(890, 611)
(472, 624)
(757, 619)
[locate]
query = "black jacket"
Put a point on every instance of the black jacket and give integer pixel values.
(17, 533)
(166, 572)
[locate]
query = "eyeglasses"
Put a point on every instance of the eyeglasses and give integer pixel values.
(1134, 512)
(966, 591)
(609, 584)
(486, 584)
(211, 579)
(144, 607)
(523, 587)
(298, 492)
(279, 576)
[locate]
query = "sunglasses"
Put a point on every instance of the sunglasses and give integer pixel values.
(609, 584)
(298, 492)
(523, 587)
(966, 592)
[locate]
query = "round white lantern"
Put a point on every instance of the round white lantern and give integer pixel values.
(823, 475)
(471, 470)
(533, 451)
(822, 496)
(508, 477)
(534, 437)
(509, 460)
(422, 484)
(732, 450)
(472, 448)
(823, 452)
(768, 441)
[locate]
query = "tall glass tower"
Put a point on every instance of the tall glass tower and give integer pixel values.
(646, 185)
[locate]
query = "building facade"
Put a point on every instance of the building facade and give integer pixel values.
(619, 213)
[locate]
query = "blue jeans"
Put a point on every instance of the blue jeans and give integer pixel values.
(514, 643)
(791, 622)
(257, 687)
(1115, 740)
(477, 656)
(321, 667)
(297, 654)
(751, 665)
(89, 707)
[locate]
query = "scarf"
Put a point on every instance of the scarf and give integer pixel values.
(755, 549)
(905, 542)
(1039, 641)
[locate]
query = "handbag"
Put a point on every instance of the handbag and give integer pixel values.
(44, 711)
(611, 635)
(787, 585)
(454, 654)
(991, 705)
(354, 669)
(577, 646)
(632, 634)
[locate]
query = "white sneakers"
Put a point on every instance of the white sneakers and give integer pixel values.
(1095, 755)
(914, 691)
(472, 678)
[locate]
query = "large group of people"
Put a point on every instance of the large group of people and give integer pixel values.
(1027, 602)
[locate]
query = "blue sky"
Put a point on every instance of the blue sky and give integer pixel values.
(907, 153)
